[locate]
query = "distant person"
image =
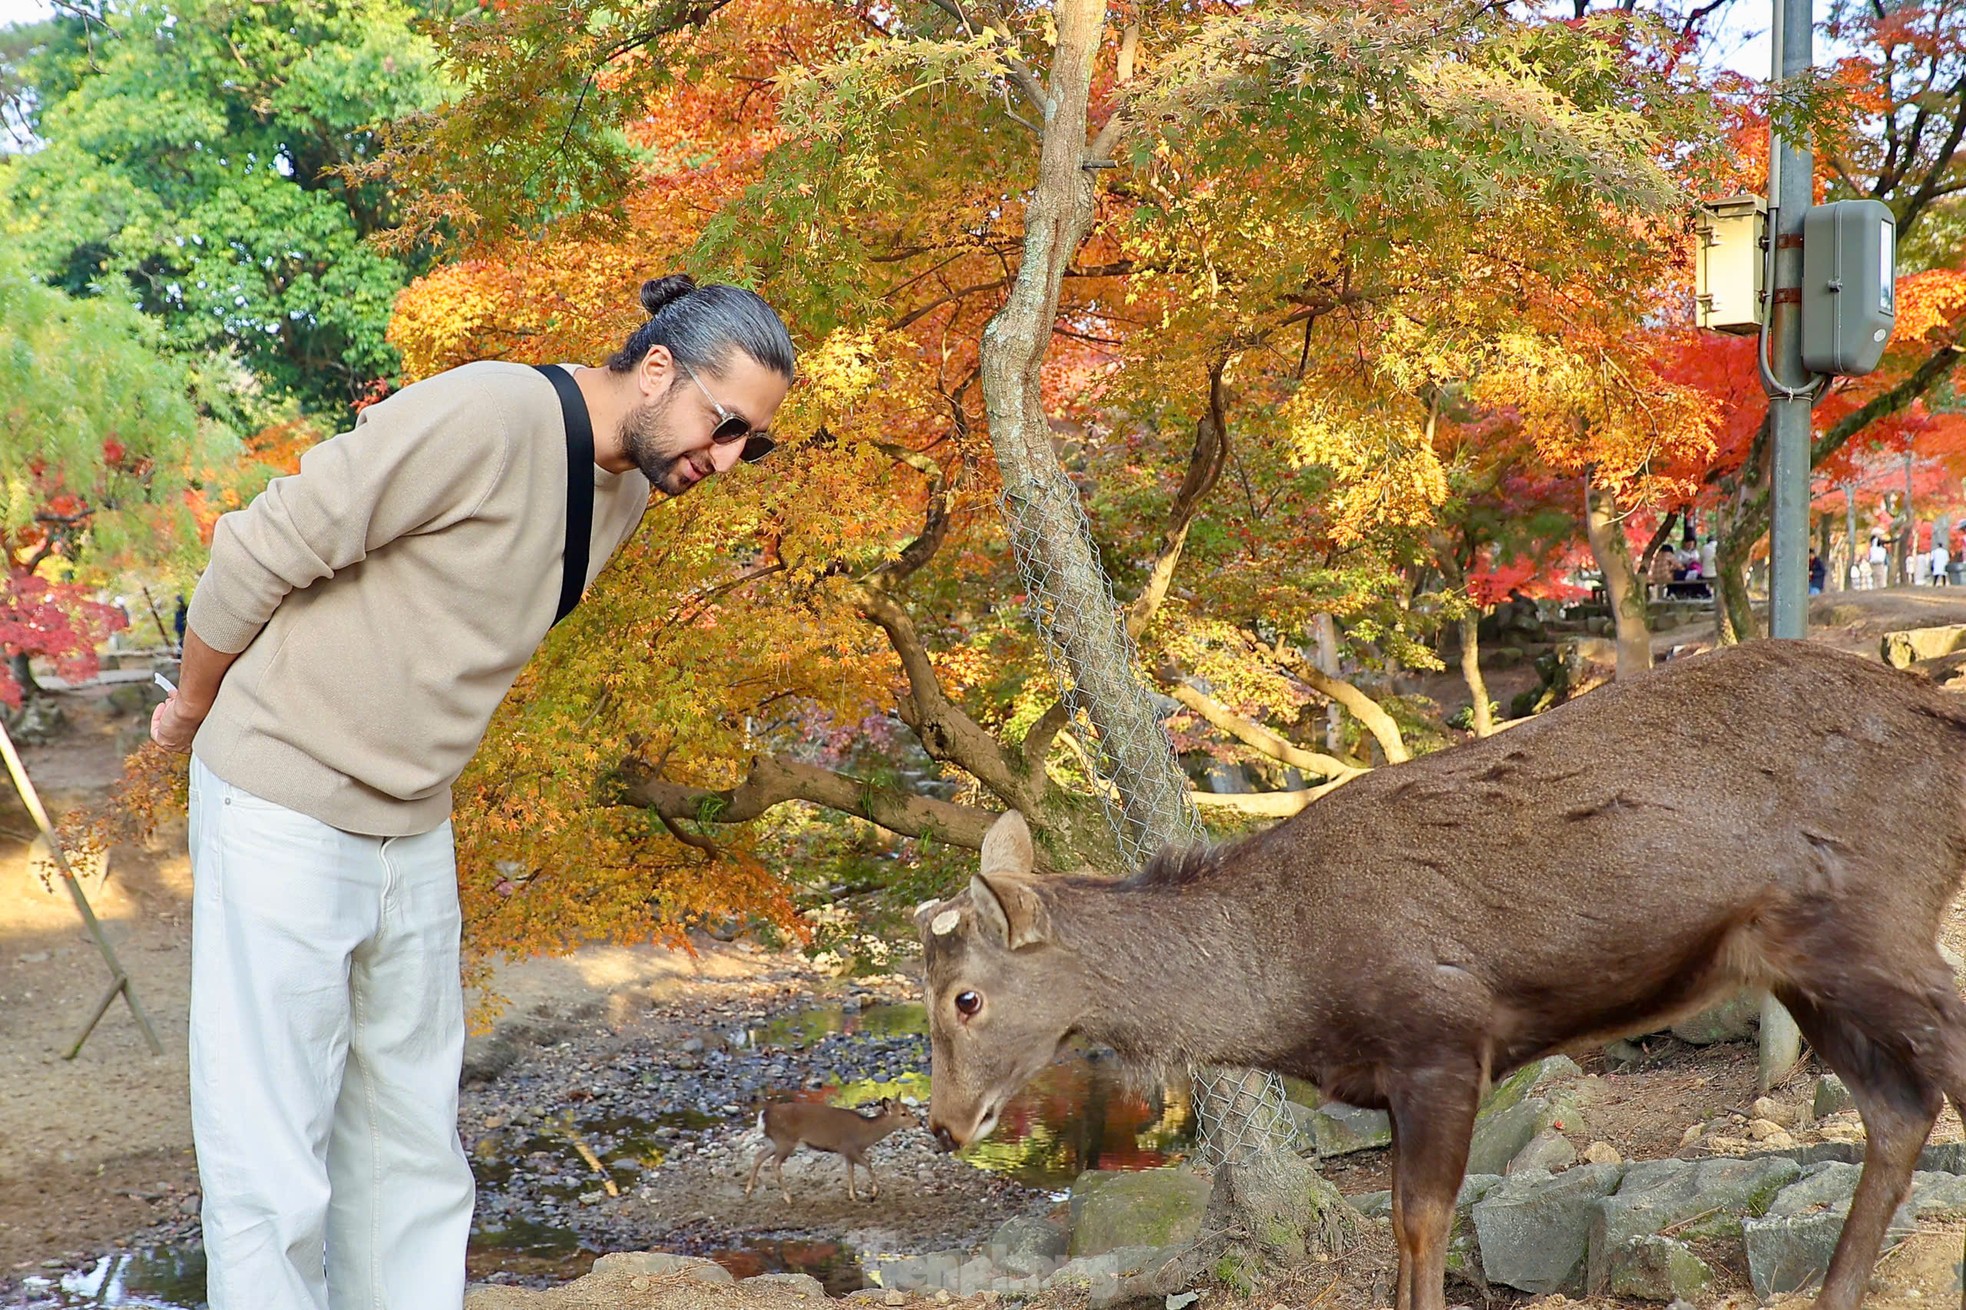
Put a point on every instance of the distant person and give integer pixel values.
(1940, 559)
(177, 622)
(358, 625)
(1709, 558)
(1818, 574)
(1880, 565)
(1664, 570)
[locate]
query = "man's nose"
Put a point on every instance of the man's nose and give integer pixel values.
(724, 457)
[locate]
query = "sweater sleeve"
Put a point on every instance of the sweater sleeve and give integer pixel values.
(425, 458)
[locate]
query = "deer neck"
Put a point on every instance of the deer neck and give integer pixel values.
(1172, 977)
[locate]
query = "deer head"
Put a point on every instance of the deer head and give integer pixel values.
(1003, 992)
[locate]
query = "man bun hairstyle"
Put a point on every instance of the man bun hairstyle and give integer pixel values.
(701, 325)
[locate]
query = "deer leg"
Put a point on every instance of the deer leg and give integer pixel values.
(778, 1172)
(756, 1165)
(873, 1183)
(849, 1178)
(1403, 1270)
(1435, 1111)
(1898, 1102)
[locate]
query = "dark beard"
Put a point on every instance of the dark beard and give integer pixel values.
(645, 436)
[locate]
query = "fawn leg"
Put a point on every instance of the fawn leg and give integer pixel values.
(849, 1178)
(873, 1183)
(1435, 1111)
(778, 1172)
(1898, 1103)
(756, 1165)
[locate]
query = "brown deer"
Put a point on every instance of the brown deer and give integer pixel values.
(1775, 815)
(791, 1124)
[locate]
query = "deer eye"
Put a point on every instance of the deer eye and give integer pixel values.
(968, 1003)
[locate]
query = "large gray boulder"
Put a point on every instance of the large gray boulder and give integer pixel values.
(1659, 1269)
(1026, 1246)
(1789, 1248)
(1534, 1230)
(1693, 1198)
(1734, 1019)
(1144, 1208)
(1340, 1129)
(1463, 1248)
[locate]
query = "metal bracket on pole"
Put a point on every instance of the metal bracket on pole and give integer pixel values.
(119, 981)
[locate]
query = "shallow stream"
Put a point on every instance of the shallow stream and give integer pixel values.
(539, 1179)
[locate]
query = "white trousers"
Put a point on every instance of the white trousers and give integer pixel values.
(327, 1032)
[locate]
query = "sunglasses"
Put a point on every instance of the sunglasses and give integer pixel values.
(732, 426)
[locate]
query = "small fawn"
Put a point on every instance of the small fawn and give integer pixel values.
(848, 1133)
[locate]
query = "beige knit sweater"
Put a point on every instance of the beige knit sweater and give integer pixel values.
(386, 596)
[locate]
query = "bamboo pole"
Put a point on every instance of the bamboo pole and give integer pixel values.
(119, 980)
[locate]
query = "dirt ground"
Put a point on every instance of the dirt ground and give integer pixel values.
(95, 1149)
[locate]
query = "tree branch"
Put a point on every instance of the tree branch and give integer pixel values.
(1205, 461)
(1253, 735)
(774, 780)
(935, 520)
(1366, 710)
(946, 732)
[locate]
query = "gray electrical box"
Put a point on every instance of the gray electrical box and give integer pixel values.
(1849, 286)
(1728, 263)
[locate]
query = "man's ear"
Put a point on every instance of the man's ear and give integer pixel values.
(1009, 910)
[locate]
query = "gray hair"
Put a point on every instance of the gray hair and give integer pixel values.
(701, 325)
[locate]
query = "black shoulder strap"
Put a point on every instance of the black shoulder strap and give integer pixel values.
(580, 487)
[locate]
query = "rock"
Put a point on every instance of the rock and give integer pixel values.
(1831, 1096)
(1907, 647)
(1694, 1198)
(1733, 1019)
(1945, 1158)
(1602, 1153)
(1340, 1129)
(1659, 1269)
(1789, 1248)
(1502, 1136)
(1774, 1111)
(1107, 1276)
(1622, 1054)
(1691, 1135)
(1373, 1205)
(136, 697)
(1534, 1230)
(804, 1285)
(1150, 1208)
(1534, 1076)
(660, 1264)
(1548, 1151)
(1463, 1250)
(1025, 1246)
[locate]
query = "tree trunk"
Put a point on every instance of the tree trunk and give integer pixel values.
(1733, 608)
(23, 673)
(1047, 524)
(1243, 1113)
(1482, 721)
(1622, 585)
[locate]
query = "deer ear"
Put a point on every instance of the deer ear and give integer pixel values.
(1010, 910)
(1007, 846)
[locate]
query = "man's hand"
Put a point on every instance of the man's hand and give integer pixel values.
(175, 722)
(172, 727)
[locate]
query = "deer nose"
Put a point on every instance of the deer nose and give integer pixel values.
(944, 1139)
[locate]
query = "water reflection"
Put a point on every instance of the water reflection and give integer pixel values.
(1077, 1115)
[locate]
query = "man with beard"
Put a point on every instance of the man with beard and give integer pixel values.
(357, 626)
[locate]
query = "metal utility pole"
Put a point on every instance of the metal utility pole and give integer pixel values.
(1791, 171)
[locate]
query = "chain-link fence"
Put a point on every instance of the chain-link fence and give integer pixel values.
(1239, 1112)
